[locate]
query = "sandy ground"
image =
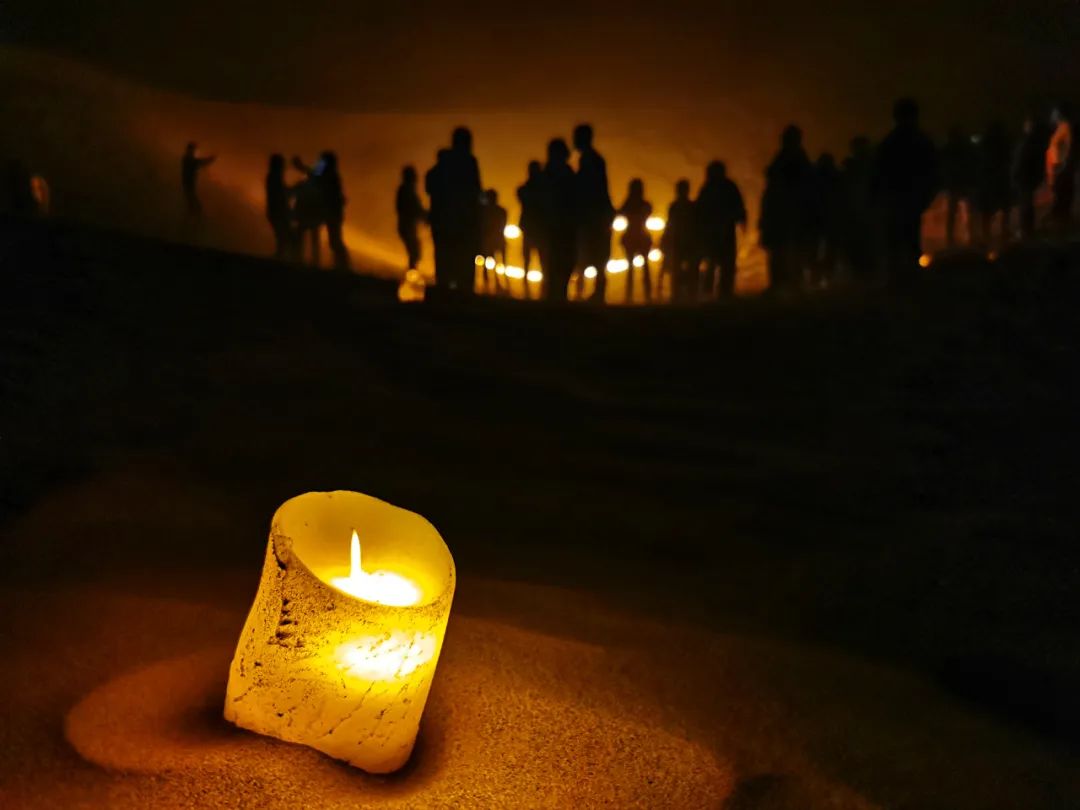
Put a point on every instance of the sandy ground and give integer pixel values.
(807, 554)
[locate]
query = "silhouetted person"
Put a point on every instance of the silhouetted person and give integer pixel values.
(410, 215)
(19, 190)
(493, 232)
(905, 182)
(279, 211)
(787, 207)
(1028, 172)
(993, 187)
(829, 205)
(439, 219)
(860, 224)
(594, 209)
(531, 196)
(958, 176)
(1061, 168)
(560, 227)
(719, 209)
(636, 239)
(680, 244)
(324, 203)
(456, 197)
(190, 166)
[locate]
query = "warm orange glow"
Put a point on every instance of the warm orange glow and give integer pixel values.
(479, 261)
(489, 262)
(639, 261)
(590, 272)
(515, 272)
(381, 587)
(655, 224)
(500, 270)
(535, 276)
(620, 224)
(618, 266)
(512, 232)
(925, 260)
(656, 255)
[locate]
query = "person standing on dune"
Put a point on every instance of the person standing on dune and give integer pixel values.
(190, 166)
(410, 215)
(594, 209)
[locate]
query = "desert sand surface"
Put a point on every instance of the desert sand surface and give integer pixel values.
(777, 554)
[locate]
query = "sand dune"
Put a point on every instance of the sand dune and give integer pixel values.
(122, 168)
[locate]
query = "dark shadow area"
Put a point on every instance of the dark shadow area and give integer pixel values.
(1039, 699)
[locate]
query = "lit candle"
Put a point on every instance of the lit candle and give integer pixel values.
(335, 656)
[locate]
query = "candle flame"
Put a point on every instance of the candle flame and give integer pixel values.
(381, 587)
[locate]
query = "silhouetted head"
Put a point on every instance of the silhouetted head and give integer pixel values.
(583, 137)
(636, 190)
(535, 167)
(682, 189)
(906, 113)
(716, 171)
(792, 138)
(328, 162)
(191, 147)
(442, 155)
(558, 152)
(408, 175)
(461, 140)
(826, 162)
(491, 196)
(277, 163)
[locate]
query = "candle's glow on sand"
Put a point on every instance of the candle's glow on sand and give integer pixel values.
(655, 224)
(381, 587)
(620, 224)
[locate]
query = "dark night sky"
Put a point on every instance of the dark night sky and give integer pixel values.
(422, 54)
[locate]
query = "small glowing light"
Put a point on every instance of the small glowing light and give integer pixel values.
(992, 256)
(618, 266)
(489, 262)
(639, 261)
(655, 224)
(925, 260)
(620, 224)
(479, 261)
(590, 272)
(515, 272)
(381, 587)
(535, 276)
(512, 232)
(656, 255)
(500, 270)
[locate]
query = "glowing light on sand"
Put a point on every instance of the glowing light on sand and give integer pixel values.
(590, 272)
(639, 261)
(655, 224)
(618, 266)
(656, 255)
(620, 224)
(516, 273)
(489, 262)
(500, 270)
(512, 232)
(926, 260)
(535, 276)
(479, 261)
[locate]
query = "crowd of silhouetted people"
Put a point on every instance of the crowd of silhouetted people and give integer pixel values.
(860, 217)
